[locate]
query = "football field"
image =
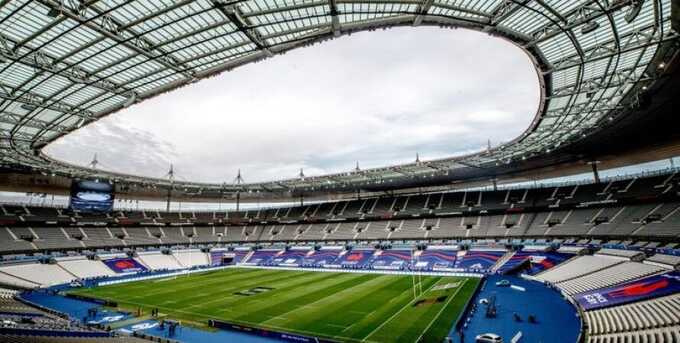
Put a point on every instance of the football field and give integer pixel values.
(349, 307)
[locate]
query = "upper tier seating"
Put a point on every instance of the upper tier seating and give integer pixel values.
(516, 216)
(9, 241)
(175, 235)
(100, 237)
(54, 238)
(446, 202)
(663, 221)
(139, 235)
(204, 234)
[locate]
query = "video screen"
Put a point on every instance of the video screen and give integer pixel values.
(91, 196)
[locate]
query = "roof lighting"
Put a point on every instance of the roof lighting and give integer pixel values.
(54, 12)
(635, 8)
(28, 107)
(590, 27)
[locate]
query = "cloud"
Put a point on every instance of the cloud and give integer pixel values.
(374, 97)
(119, 146)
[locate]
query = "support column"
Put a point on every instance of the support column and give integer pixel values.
(167, 202)
(596, 174)
(238, 201)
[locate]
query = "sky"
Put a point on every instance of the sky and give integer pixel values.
(378, 98)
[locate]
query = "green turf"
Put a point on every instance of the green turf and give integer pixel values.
(341, 306)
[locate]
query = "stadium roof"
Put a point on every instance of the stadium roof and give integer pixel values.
(65, 64)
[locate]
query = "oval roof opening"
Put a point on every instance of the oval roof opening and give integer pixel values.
(380, 98)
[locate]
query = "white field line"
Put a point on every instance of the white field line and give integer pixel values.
(365, 339)
(193, 285)
(273, 327)
(325, 298)
(440, 311)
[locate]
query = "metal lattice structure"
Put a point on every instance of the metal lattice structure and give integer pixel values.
(64, 64)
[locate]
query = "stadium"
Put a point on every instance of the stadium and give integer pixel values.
(533, 240)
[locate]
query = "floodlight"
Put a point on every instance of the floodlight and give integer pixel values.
(635, 8)
(590, 27)
(28, 107)
(54, 12)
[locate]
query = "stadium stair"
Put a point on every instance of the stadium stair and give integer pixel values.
(548, 269)
(67, 271)
(178, 261)
(20, 278)
(139, 260)
(248, 256)
(502, 261)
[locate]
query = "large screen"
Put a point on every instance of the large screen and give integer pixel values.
(91, 196)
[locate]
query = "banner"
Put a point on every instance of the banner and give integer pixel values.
(276, 335)
(541, 261)
(647, 288)
(216, 258)
(124, 265)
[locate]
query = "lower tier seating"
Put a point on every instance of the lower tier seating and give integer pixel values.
(43, 274)
(84, 268)
(192, 258)
(664, 335)
(645, 315)
(156, 260)
(45, 339)
(577, 267)
(613, 275)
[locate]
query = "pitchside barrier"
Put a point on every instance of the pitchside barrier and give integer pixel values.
(160, 276)
(460, 321)
(290, 337)
(54, 333)
(92, 300)
(366, 271)
(181, 272)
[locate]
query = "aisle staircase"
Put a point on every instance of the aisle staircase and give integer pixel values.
(502, 261)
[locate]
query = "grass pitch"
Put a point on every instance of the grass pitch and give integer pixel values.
(340, 306)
